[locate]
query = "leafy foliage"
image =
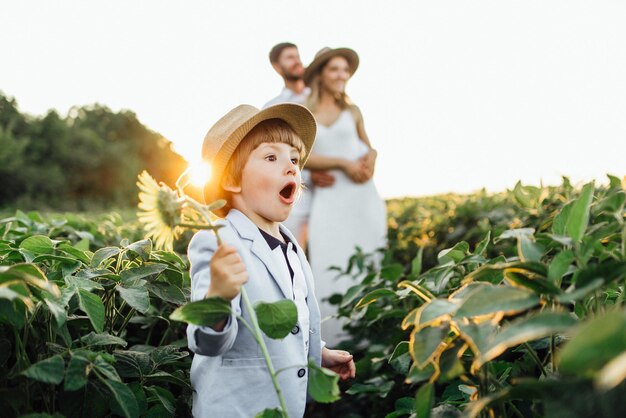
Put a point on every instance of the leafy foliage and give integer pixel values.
(86, 160)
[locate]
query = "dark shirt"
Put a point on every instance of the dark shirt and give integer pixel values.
(274, 242)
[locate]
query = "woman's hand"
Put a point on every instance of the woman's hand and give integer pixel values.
(357, 171)
(340, 362)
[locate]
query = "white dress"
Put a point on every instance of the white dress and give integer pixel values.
(342, 217)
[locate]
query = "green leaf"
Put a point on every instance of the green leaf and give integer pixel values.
(137, 297)
(102, 254)
(124, 397)
(417, 374)
(434, 310)
(424, 342)
(528, 250)
(81, 283)
(77, 373)
(400, 359)
(57, 311)
(50, 370)
(164, 396)
(416, 264)
(526, 329)
(323, 384)
(94, 308)
(559, 266)
(270, 413)
(105, 368)
(559, 224)
(93, 339)
(141, 248)
(424, 400)
(612, 374)
(167, 292)
(206, 312)
(579, 216)
(488, 299)
(38, 244)
(454, 254)
(595, 343)
(579, 293)
(392, 272)
(142, 272)
(277, 319)
(538, 285)
(166, 355)
(373, 297)
(481, 247)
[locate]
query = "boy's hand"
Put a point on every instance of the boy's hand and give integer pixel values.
(228, 273)
(340, 362)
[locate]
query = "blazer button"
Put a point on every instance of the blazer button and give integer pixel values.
(295, 330)
(301, 373)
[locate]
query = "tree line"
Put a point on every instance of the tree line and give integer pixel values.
(88, 159)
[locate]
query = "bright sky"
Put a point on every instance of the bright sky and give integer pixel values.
(456, 95)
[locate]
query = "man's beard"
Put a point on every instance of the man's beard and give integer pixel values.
(292, 77)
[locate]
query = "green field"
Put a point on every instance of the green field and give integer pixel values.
(509, 305)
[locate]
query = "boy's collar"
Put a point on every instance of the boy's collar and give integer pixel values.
(248, 229)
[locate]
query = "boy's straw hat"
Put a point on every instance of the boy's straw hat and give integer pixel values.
(324, 55)
(224, 137)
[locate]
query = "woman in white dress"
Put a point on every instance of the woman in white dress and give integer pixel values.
(349, 213)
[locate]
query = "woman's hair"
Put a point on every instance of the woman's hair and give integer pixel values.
(342, 99)
(268, 131)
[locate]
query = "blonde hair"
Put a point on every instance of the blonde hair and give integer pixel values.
(268, 131)
(312, 102)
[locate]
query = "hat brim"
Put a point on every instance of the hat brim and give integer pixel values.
(319, 61)
(298, 117)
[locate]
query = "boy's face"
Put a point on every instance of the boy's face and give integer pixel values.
(270, 182)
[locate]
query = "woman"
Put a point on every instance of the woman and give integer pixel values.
(349, 213)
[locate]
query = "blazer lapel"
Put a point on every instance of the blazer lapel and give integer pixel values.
(258, 246)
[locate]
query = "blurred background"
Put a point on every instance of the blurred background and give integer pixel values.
(456, 97)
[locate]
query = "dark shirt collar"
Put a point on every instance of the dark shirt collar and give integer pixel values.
(274, 242)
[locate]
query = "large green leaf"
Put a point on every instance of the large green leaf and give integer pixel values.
(526, 329)
(137, 297)
(93, 339)
(141, 248)
(323, 384)
(613, 373)
(559, 266)
(595, 343)
(50, 370)
(270, 413)
(424, 342)
(163, 396)
(454, 254)
(92, 305)
(206, 312)
(559, 224)
(528, 249)
(536, 284)
(38, 244)
(123, 396)
(434, 310)
(168, 292)
(142, 272)
(77, 373)
(489, 299)
(424, 400)
(102, 254)
(277, 319)
(579, 215)
(373, 297)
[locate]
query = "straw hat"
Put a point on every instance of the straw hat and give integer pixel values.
(324, 55)
(224, 137)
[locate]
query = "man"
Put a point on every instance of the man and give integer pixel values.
(285, 60)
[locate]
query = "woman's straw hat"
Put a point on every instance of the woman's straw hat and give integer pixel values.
(224, 137)
(324, 55)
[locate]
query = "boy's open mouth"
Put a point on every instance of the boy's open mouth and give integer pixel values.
(288, 191)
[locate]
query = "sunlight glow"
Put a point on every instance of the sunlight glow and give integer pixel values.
(199, 173)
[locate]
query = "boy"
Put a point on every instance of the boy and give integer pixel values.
(256, 158)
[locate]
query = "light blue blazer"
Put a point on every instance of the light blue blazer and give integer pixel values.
(228, 373)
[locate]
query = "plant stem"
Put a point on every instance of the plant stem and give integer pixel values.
(126, 321)
(535, 358)
(259, 338)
